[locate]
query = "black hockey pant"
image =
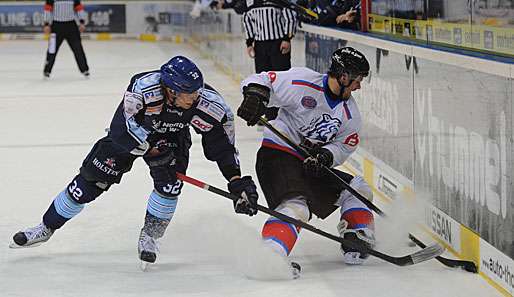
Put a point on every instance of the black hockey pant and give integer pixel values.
(68, 31)
(291, 181)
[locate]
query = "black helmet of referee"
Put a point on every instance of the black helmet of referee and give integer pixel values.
(350, 61)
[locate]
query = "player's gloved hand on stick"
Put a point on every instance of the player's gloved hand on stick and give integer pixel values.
(245, 189)
(161, 161)
(255, 100)
(314, 165)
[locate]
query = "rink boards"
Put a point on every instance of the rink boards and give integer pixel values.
(388, 186)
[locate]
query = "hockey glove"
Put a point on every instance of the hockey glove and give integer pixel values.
(245, 189)
(255, 100)
(162, 166)
(315, 164)
(363, 236)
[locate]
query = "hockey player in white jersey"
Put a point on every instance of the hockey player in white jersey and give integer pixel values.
(318, 112)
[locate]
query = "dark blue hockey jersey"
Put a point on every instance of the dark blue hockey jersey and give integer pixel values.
(143, 118)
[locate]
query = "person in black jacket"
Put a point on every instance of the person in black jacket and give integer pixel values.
(335, 13)
(60, 21)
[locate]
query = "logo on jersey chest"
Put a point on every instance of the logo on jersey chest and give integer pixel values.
(309, 102)
(163, 127)
(323, 129)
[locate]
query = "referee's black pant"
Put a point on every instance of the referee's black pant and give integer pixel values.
(68, 31)
(269, 58)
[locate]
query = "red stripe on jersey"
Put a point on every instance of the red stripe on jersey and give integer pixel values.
(272, 145)
(49, 7)
(307, 84)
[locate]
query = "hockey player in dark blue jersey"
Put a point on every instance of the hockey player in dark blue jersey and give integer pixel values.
(152, 122)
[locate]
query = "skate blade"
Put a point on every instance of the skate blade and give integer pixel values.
(145, 266)
(13, 245)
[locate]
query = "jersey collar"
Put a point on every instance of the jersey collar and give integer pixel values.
(331, 98)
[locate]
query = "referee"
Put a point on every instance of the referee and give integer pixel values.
(269, 28)
(60, 20)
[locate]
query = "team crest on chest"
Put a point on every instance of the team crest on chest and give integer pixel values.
(323, 128)
(309, 102)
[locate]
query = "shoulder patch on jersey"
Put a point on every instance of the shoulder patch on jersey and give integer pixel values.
(352, 140)
(132, 103)
(201, 124)
(153, 95)
(211, 108)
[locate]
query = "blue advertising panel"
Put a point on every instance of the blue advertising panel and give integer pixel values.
(29, 18)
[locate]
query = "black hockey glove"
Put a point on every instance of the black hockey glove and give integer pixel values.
(314, 165)
(162, 166)
(255, 100)
(245, 189)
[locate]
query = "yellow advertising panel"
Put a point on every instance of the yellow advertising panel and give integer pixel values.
(476, 37)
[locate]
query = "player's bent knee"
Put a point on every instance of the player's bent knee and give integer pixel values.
(295, 207)
(361, 186)
(83, 191)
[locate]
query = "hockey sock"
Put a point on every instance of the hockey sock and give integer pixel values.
(358, 218)
(280, 235)
(159, 212)
(62, 209)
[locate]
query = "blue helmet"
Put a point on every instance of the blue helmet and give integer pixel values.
(181, 75)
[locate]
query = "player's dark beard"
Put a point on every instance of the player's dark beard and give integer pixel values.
(339, 96)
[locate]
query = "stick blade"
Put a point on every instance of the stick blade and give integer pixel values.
(427, 253)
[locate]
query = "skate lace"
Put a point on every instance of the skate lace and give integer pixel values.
(148, 243)
(39, 231)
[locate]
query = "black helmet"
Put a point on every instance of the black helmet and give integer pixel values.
(348, 60)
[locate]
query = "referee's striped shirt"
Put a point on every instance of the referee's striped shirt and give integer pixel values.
(63, 11)
(268, 21)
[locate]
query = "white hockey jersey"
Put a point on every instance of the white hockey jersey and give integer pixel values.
(308, 113)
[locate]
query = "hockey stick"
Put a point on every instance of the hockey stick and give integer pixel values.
(466, 265)
(306, 154)
(414, 258)
(308, 13)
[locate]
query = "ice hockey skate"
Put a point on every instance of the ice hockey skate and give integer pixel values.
(31, 237)
(258, 260)
(364, 236)
(147, 250)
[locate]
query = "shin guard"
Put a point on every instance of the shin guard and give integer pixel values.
(280, 235)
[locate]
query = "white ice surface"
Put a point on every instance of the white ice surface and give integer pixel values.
(47, 127)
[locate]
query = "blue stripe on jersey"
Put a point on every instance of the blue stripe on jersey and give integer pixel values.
(65, 206)
(215, 98)
(347, 110)
(136, 131)
(161, 207)
(305, 83)
(149, 80)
